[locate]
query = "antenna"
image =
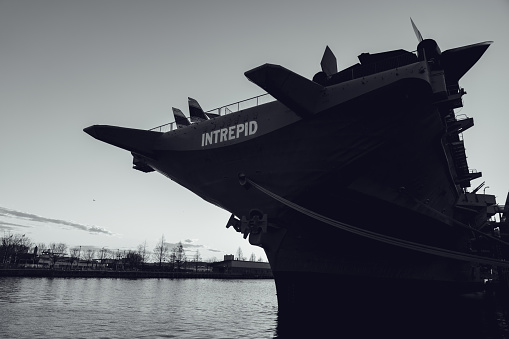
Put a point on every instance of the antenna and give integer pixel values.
(417, 33)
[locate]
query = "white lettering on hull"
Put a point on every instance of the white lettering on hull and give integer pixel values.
(230, 133)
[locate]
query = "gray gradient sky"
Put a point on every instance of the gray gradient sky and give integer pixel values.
(66, 65)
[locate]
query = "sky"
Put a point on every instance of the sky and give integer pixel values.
(66, 65)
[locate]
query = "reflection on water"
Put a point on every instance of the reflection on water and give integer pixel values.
(206, 308)
(469, 316)
(144, 308)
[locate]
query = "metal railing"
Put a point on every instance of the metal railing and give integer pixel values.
(223, 110)
(240, 105)
(165, 128)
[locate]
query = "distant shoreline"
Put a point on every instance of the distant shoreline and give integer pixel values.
(56, 273)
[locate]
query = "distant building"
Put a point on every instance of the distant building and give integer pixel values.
(241, 267)
(197, 266)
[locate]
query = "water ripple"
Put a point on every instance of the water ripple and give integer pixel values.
(144, 308)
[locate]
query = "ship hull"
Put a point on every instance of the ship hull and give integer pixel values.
(314, 305)
(304, 263)
(381, 167)
(377, 139)
(330, 281)
(353, 184)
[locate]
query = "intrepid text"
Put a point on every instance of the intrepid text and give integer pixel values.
(230, 133)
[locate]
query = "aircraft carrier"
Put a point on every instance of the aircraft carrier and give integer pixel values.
(354, 180)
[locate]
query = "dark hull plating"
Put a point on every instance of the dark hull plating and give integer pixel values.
(381, 166)
(375, 147)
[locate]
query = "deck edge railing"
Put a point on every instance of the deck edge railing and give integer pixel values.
(223, 110)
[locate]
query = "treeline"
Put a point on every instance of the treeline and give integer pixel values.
(175, 256)
(18, 249)
(13, 247)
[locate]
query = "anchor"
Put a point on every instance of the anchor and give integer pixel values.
(254, 224)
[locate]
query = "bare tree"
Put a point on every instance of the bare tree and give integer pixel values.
(161, 251)
(118, 256)
(109, 254)
(12, 246)
(58, 248)
(103, 254)
(239, 254)
(172, 259)
(179, 255)
(41, 247)
(252, 257)
(57, 251)
(197, 258)
(75, 254)
(143, 252)
(89, 255)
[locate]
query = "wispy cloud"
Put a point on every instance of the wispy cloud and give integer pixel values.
(190, 245)
(10, 226)
(5, 212)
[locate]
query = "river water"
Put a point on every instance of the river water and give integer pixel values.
(209, 308)
(143, 308)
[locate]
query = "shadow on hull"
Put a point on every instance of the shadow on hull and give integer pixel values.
(382, 309)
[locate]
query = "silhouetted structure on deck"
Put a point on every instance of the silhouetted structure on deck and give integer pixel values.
(356, 180)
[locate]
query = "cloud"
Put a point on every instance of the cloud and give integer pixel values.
(192, 246)
(5, 212)
(184, 245)
(10, 226)
(96, 229)
(189, 246)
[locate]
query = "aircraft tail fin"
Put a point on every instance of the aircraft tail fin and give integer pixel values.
(329, 63)
(293, 90)
(195, 111)
(180, 118)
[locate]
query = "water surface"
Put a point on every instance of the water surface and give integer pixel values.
(222, 309)
(143, 308)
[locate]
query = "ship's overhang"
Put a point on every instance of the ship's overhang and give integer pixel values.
(458, 61)
(133, 140)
